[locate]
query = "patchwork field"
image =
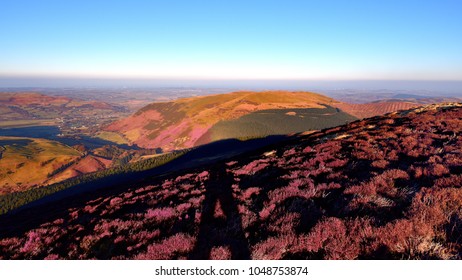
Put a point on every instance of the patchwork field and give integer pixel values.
(72, 115)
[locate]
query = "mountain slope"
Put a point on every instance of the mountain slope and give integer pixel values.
(180, 123)
(193, 121)
(27, 163)
(386, 187)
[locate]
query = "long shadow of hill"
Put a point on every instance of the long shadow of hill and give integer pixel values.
(56, 205)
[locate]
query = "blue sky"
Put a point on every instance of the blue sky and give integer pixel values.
(302, 40)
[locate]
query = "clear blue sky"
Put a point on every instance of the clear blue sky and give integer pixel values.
(168, 39)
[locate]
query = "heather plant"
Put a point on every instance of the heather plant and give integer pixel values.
(330, 238)
(273, 248)
(176, 246)
(252, 168)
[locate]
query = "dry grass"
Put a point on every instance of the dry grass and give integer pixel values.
(28, 162)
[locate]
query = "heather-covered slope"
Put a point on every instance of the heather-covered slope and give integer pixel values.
(387, 187)
(181, 123)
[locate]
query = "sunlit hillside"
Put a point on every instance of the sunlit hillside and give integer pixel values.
(181, 123)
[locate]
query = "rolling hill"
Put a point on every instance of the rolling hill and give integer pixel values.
(387, 187)
(173, 125)
(28, 162)
(181, 123)
(36, 135)
(187, 122)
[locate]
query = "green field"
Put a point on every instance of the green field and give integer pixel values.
(112, 137)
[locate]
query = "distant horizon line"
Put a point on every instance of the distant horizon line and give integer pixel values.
(443, 86)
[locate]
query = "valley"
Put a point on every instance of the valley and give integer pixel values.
(197, 166)
(111, 135)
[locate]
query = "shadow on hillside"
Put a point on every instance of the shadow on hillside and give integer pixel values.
(57, 205)
(220, 224)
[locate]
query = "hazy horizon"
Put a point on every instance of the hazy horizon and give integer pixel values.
(434, 87)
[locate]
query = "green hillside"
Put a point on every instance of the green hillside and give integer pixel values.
(277, 121)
